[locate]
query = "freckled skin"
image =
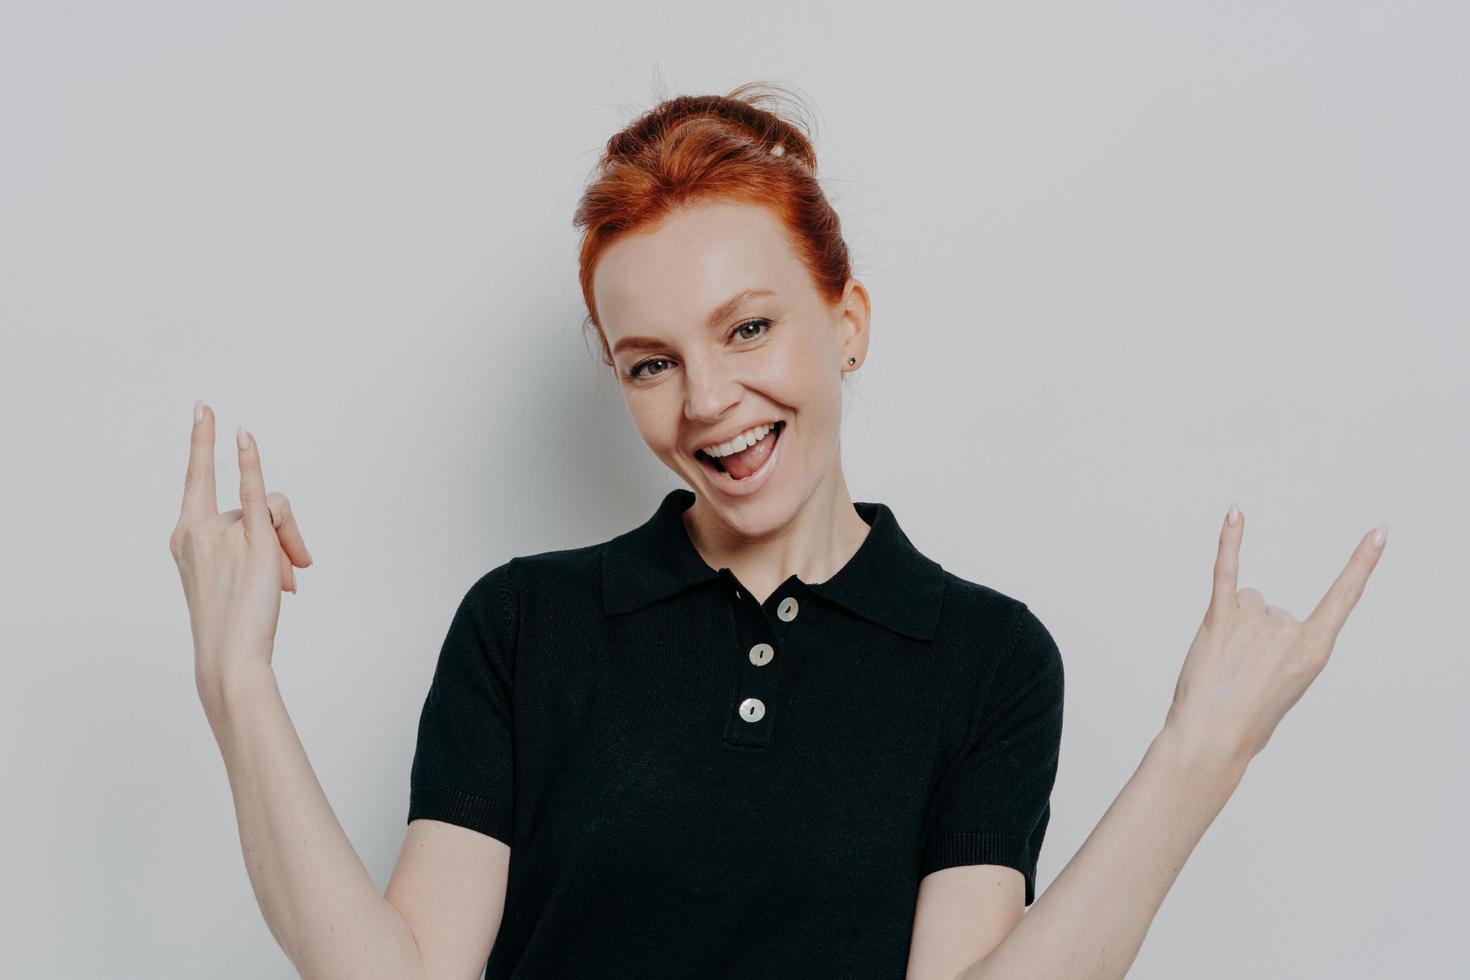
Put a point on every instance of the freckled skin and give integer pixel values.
(663, 281)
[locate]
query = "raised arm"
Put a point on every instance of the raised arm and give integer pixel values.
(1248, 664)
(318, 900)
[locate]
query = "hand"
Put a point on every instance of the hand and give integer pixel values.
(1250, 662)
(234, 565)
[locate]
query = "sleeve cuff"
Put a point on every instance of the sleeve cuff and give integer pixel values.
(983, 847)
(453, 806)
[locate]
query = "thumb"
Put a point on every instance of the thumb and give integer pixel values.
(256, 515)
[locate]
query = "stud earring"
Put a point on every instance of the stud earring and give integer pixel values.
(852, 360)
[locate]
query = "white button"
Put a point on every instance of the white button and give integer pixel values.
(787, 609)
(761, 654)
(752, 709)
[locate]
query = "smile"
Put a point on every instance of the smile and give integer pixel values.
(740, 465)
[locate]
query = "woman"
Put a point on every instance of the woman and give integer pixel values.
(761, 734)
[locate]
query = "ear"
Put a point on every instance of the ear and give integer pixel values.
(852, 314)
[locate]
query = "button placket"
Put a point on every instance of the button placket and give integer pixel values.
(750, 713)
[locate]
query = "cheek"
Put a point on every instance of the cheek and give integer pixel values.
(817, 396)
(801, 374)
(811, 384)
(656, 417)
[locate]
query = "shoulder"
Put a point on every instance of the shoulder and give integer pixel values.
(1008, 631)
(564, 566)
(964, 599)
(515, 595)
(564, 574)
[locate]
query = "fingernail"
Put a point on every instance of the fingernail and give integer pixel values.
(198, 410)
(1380, 535)
(310, 560)
(1232, 516)
(242, 438)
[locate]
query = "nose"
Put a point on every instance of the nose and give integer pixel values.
(711, 389)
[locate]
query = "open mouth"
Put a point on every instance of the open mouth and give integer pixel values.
(737, 466)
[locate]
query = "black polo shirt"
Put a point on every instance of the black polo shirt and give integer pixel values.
(697, 784)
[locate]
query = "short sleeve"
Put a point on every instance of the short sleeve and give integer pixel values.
(463, 761)
(994, 804)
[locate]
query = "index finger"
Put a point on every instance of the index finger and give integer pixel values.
(1332, 611)
(1227, 567)
(199, 492)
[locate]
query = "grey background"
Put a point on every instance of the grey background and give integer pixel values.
(1129, 262)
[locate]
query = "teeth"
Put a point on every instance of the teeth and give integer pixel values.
(744, 440)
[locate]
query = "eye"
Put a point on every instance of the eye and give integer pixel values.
(751, 323)
(634, 371)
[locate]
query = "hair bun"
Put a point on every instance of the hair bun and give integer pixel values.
(765, 116)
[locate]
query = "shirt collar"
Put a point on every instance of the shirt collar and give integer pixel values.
(887, 580)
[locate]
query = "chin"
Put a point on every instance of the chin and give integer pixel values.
(755, 516)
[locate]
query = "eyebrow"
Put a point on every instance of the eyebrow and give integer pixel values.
(719, 313)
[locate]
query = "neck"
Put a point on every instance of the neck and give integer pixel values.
(823, 533)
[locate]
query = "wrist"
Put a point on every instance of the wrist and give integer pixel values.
(1199, 760)
(224, 689)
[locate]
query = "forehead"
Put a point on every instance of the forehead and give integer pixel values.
(667, 277)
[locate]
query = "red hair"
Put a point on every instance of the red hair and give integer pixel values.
(701, 147)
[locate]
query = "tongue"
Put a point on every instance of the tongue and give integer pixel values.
(747, 461)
